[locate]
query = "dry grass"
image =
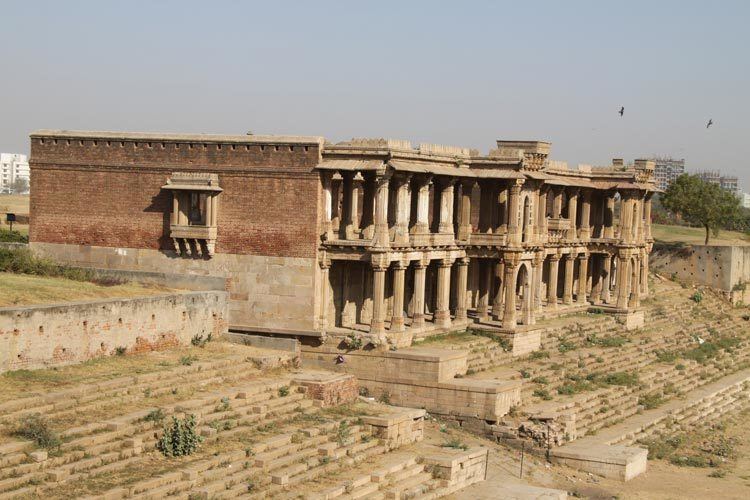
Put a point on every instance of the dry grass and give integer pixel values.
(17, 204)
(22, 289)
(21, 383)
(696, 235)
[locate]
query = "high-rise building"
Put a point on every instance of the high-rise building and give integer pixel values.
(727, 182)
(667, 170)
(13, 167)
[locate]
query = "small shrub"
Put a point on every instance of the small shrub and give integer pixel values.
(690, 461)
(180, 438)
(35, 427)
(543, 394)
(199, 341)
(539, 355)
(343, 433)
(223, 406)
(364, 391)
(525, 374)
(156, 415)
(540, 380)
(283, 391)
(8, 236)
(719, 473)
(120, 351)
(352, 342)
(666, 356)
(596, 310)
(456, 444)
(651, 401)
(697, 297)
(621, 378)
(565, 346)
(385, 397)
(188, 360)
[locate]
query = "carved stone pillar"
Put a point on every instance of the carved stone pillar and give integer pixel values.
(381, 237)
(446, 207)
(174, 218)
(541, 212)
(584, 232)
(622, 282)
(583, 267)
(442, 304)
(352, 186)
(626, 215)
(422, 225)
(403, 208)
(420, 274)
(377, 325)
(461, 281)
(464, 228)
(509, 316)
(634, 300)
(596, 279)
(647, 216)
(606, 278)
(514, 231)
(397, 319)
(485, 286)
(609, 216)
(554, 266)
(557, 202)
(644, 272)
(568, 288)
(497, 303)
(325, 266)
(573, 214)
(536, 270)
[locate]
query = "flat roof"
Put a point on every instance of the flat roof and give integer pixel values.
(169, 137)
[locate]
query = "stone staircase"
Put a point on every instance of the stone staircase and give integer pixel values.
(267, 433)
(591, 374)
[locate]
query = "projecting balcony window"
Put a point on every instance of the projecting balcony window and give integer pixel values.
(193, 223)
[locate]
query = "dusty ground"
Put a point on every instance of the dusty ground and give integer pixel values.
(22, 289)
(694, 235)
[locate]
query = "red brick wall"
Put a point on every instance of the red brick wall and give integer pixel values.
(107, 193)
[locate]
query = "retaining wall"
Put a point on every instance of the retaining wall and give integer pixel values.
(45, 335)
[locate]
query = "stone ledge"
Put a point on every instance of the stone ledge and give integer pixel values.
(617, 462)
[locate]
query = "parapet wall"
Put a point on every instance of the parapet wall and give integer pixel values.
(59, 334)
(724, 268)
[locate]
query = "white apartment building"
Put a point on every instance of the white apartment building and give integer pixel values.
(13, 166)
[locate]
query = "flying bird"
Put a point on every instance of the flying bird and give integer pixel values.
(710, 122)
(622, 110)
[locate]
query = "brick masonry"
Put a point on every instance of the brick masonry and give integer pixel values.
(48, 335)
(86, 193)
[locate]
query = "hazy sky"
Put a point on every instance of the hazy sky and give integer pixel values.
(462, 73)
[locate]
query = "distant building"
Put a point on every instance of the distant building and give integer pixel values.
(727, 182)
(745, 199)
(667, 170)
(13, 167)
